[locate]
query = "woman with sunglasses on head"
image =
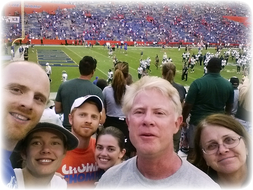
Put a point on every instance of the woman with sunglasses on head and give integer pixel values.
(222, 150)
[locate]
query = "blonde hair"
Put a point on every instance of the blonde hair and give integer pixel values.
(246, 95)
(147, 83)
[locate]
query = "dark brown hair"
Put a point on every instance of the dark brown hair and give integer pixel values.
(87, 65)
(221, 120)
(113, 131)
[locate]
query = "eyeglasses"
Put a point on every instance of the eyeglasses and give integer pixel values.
(228, 142)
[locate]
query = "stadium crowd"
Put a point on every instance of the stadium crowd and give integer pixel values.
(154, 22)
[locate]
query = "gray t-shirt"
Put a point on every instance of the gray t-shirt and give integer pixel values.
(235, 104)
(127, 175)
(112, 109)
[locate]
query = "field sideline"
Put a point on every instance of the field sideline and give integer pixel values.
(104, 62)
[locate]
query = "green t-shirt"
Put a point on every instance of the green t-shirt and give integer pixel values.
(73, 89)
(209, 94)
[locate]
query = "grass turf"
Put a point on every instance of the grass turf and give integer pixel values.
(104, 62)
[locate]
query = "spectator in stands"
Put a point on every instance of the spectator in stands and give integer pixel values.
(168, 73)
(135, 26)
(243, 113)
(222, 148)
(23, 104)
(42, 151)
(110, 147)
(209, 94)
(153, 110)
(235, 82)
(113, 95)
(78, 87)
(79, 164)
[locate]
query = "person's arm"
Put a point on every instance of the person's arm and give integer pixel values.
(186, 110)
(58, 107)
(245, 84)
(229, 103)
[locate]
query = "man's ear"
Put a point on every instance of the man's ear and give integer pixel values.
(127, 122)
(122, 153)
(70, 119)
(178, 122)
(23, 155)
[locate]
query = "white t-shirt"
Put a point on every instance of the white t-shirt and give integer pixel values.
(64, 77)
(48, 70)
(140, 70)
(110, 75)
(56, 182)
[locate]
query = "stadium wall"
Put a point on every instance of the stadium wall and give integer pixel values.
(102, 42)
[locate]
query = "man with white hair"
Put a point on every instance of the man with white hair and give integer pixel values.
(153, 114)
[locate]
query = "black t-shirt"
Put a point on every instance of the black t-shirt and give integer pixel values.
(181, 90)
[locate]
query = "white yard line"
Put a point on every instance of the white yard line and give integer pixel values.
(81, 57)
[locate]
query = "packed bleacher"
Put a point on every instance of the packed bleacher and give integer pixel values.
(153, 22)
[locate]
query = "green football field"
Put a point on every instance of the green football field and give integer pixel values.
(67, 58)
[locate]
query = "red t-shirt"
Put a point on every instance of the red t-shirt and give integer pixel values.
(79, 167)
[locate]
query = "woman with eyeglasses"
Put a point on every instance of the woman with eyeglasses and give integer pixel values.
(222, 150)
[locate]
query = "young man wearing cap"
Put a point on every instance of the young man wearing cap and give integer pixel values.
(79, 166)
(78, 87)
(42, 151)
(206, 95)
(23, 103)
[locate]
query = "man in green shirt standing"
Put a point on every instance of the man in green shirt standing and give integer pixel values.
(207, 95)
